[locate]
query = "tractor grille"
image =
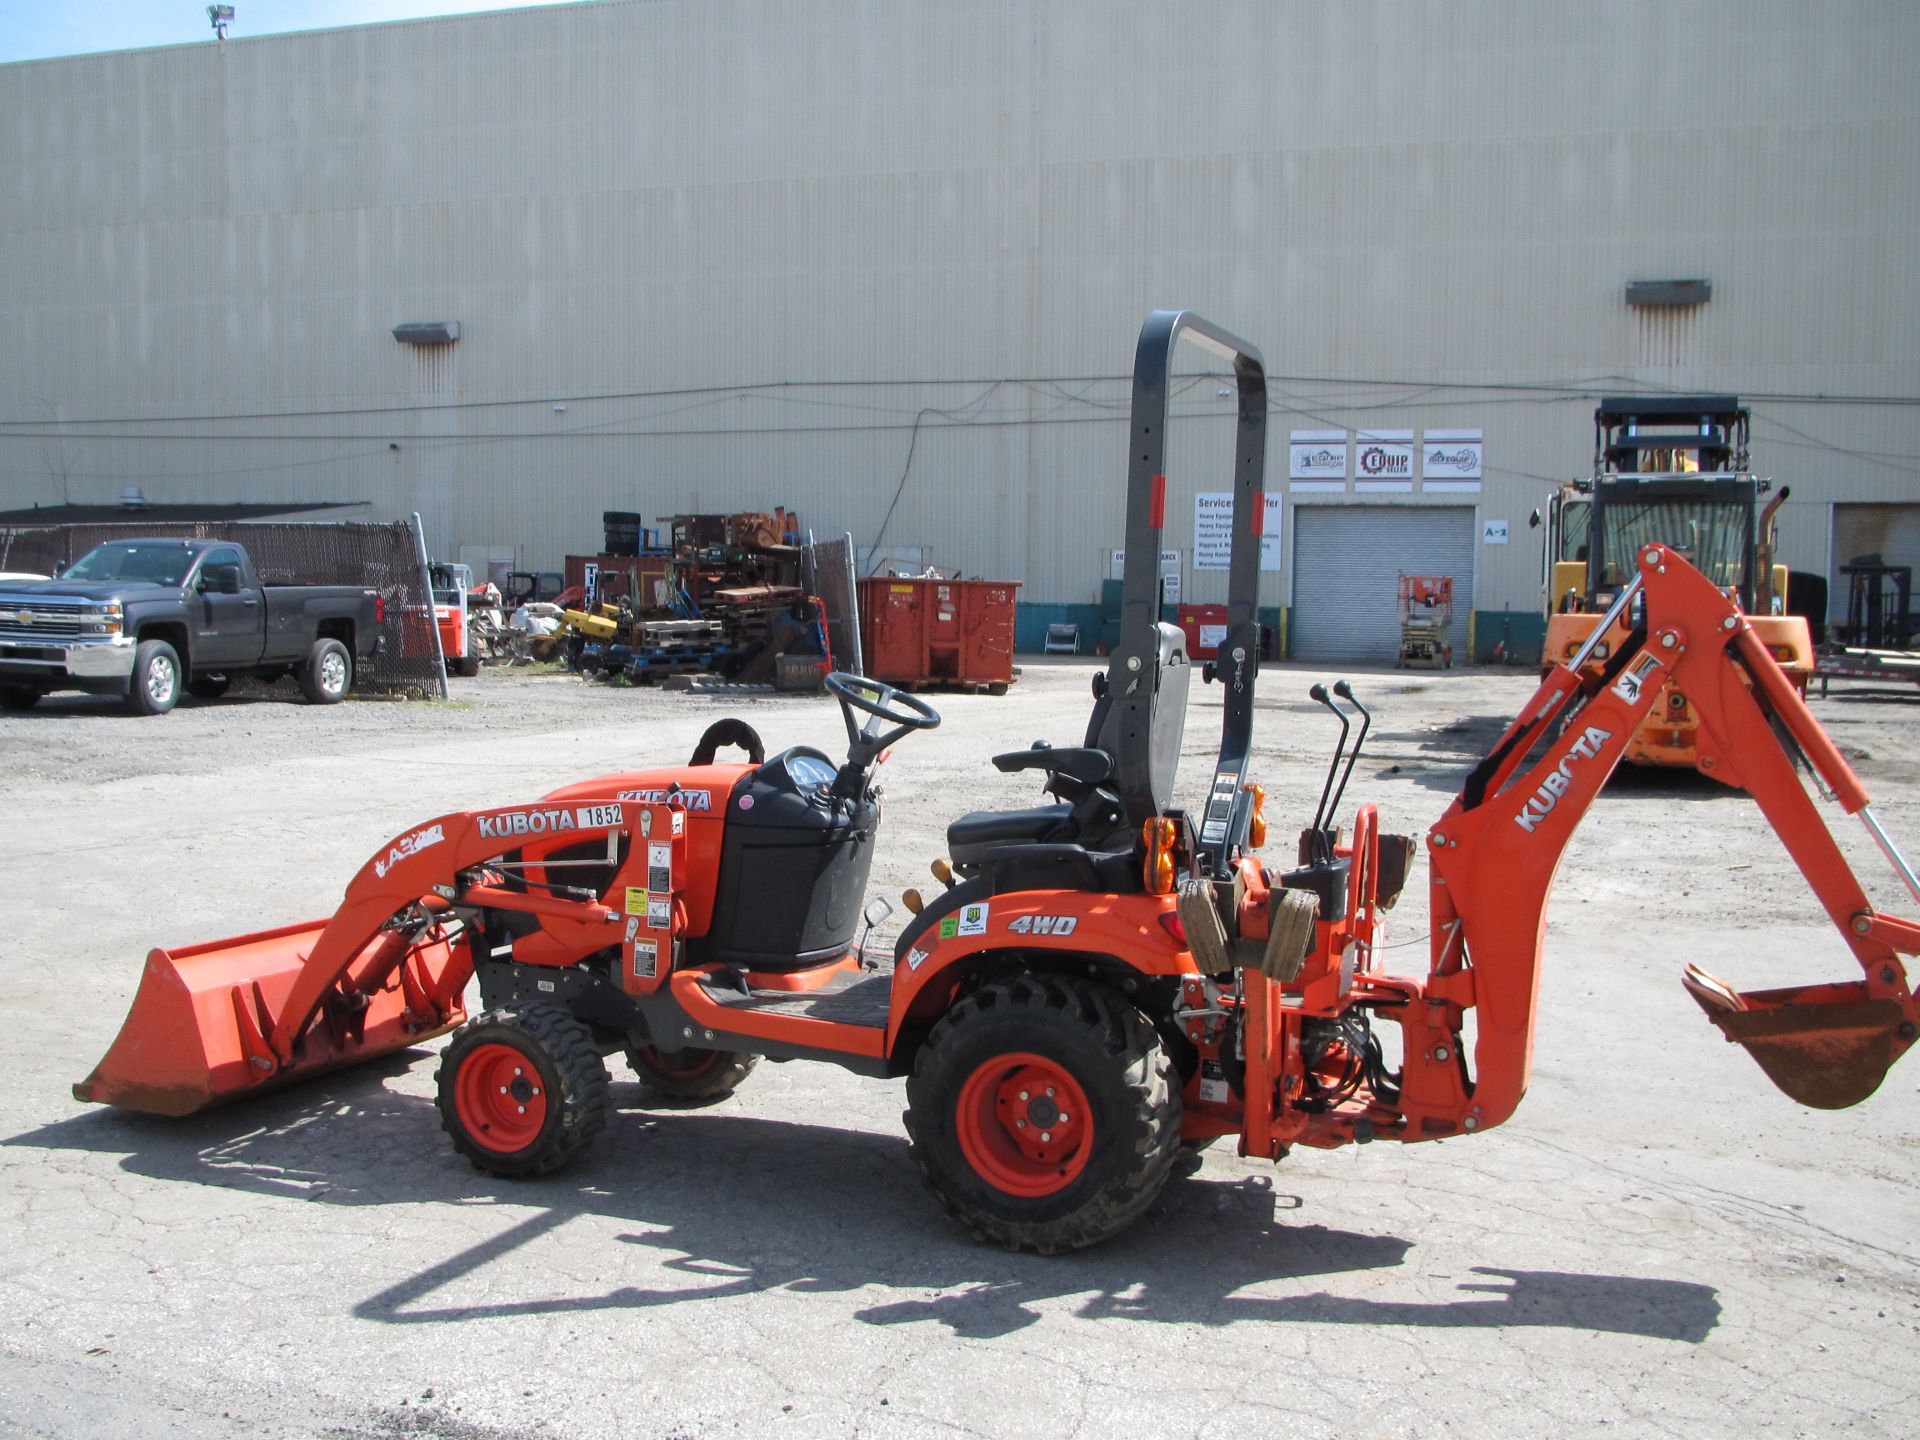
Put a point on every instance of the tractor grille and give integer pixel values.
(30, 619)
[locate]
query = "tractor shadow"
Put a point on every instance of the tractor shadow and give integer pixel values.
(731, 1205)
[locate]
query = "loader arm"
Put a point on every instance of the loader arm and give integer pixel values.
(388, 970)
(1494, 854)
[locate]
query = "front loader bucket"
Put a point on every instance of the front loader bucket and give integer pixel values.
(201, 1024)
(1826, 1046)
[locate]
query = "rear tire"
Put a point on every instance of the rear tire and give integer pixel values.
(691, 1074)
(154, 686)
(522, 1092)
(328, 673)
(1098, 1096)
(208, 687)
(18, 697)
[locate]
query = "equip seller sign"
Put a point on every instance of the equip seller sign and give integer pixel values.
(1383, 460)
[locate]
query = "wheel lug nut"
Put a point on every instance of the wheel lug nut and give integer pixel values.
(1020, 1124)
(1049, 1092)
(1024, 1095)
(1046, 1135)
(1064, 1117)
(523, 1109)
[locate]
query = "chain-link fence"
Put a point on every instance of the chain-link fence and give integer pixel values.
(381, 558)
(831, 564)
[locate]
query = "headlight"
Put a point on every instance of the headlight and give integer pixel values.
(103, 620)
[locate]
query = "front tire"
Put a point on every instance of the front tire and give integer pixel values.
(154, 686)
(690, 1074)
(18, 697)
(328, 673)
(522, 1092)
(1044, 1114)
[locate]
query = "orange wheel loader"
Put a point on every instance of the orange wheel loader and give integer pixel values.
(1105, 977)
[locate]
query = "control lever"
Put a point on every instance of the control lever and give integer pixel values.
(1345, 692)
(1320, 845)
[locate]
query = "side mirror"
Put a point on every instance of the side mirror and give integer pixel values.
(60, 568)
(1533, 521)
(220, 580)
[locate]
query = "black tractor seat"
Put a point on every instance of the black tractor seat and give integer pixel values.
(971, 836)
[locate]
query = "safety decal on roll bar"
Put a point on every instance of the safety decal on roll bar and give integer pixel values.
(1220, 806)
(636, 900)
(659, 866)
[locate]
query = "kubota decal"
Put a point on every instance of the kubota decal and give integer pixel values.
(1541, 804)
(679, 799)
(556, 821)
(1044, 924)
(409, 845)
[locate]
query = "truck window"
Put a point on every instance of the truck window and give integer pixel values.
(157, 562)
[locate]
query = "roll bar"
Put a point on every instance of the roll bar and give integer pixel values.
(1224, 822)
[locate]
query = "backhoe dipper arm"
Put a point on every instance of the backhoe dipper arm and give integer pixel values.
(1495, 851)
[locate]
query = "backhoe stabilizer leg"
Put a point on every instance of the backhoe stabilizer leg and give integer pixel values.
(1827, 1046)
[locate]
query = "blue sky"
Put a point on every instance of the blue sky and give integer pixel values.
(35, 29)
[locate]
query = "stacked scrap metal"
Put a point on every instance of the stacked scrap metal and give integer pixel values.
(726, 596)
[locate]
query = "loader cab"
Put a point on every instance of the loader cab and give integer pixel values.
(1671, 469)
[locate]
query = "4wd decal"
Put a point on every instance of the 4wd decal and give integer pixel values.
(556, 821)
(1541, 803)
(1043, 924)
(408, 845)
(678, 799)
(969, 920)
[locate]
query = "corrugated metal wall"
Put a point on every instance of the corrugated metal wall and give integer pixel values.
(883, 261)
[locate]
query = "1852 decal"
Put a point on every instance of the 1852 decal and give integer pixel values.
(1043, 924)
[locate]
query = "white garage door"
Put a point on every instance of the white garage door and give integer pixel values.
(1347, 563)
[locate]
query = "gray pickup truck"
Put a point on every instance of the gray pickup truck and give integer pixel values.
(144, 619)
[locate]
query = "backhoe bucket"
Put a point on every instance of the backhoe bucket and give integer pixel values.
(1826, 1046)
(202, 1020)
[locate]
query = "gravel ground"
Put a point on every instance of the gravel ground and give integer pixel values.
(1658, 1242)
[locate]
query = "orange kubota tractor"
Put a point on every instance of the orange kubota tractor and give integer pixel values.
(1105, 976)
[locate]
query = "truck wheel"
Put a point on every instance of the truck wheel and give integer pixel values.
(522, 1091)
(154, 686)
(1044, 1114)
(691, 1074)
(18, 697)
(328, 673)
(208, 687)
(467, 666)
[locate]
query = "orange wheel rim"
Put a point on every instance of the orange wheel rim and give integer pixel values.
(1023, 1125)
(499, 1098)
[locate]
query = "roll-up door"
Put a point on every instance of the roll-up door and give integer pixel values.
(1347, 563)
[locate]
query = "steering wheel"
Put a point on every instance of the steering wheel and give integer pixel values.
(905, 713)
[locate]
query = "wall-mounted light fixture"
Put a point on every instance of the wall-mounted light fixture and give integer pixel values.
(1667, 293)
(427, 332)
